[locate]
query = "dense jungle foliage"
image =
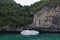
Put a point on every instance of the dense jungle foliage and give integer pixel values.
(13, 14)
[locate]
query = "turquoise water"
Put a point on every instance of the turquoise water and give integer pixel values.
(42, 36)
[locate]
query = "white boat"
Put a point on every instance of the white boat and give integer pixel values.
(29, 32)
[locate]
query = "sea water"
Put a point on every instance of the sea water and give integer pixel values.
(41, 36)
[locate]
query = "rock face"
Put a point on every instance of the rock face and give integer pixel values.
(9, 28)
(48, 17)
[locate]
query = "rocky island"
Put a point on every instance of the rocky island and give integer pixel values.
(43, 16)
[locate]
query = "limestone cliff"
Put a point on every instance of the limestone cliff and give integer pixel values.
(47, 17)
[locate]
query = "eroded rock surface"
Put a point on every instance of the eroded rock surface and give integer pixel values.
(48, 17)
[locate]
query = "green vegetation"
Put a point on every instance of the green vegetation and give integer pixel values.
(52, 1)
(39, 5)
(13, 14)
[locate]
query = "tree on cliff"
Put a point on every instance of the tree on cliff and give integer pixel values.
(39, 5)
(13, 14)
